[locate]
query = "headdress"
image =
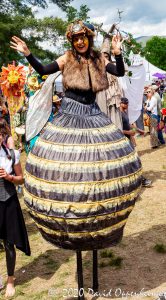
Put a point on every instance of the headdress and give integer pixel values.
(79, 27)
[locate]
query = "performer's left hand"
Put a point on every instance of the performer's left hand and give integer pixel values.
(116, 44)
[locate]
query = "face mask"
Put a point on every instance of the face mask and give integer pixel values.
(82, 38)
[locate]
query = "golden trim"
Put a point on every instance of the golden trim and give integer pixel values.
(76, 130)
(82, 163)
(73, 183)
(81, 220)
(57, 203)
(92, 233)
(42, 141)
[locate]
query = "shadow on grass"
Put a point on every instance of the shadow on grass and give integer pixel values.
(142, 267)
(148, 151)
(44, 266)
(155, 175)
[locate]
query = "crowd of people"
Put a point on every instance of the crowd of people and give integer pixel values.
(154, 114)
(102, 174)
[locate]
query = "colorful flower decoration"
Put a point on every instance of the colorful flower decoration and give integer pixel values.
(34, 83)
(12, 80)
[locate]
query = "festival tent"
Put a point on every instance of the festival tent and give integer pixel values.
(133, 90)
(133, 86)
(142, 73)
(151, 70)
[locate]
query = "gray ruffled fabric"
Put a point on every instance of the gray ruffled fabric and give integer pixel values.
(82, 179)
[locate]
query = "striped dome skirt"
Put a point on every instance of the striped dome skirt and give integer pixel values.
(82, 179)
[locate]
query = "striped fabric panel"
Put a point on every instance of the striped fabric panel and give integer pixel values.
(85, 240)
(72, 152)
(84, 243)
(82, 179)
(88, 136)
(103, 231)
(77, 131)
(83, 166)
(81, 225)
(84, 186)
(69, 147)
(79, 171)
(82, 193)
(81, 190)
(77, 121)
(76, 209)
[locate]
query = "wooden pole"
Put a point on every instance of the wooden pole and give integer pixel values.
(80, 276)
(95, 271)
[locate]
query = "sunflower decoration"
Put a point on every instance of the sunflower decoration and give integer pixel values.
(12, 80)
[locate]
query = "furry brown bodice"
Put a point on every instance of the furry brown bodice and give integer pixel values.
(84, 75)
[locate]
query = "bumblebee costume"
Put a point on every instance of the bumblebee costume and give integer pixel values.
(82, 176)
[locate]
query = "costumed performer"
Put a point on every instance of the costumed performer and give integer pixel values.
(109, 99)
(82, 176)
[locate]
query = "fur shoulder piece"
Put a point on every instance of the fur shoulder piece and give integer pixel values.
(85, 74)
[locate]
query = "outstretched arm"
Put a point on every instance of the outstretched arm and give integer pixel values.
(42, 70)
(118, 69)
(21, 46)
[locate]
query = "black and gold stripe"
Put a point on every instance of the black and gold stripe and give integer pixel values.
(82, 179)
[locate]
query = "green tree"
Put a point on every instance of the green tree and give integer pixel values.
(155, 52)
(17, 18)
(9, 6)
(73, 14)
(130, 44)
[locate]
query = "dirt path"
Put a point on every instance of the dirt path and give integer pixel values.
(50, 273)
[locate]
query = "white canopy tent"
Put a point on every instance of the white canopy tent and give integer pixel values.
(150, 70)
(133, 87)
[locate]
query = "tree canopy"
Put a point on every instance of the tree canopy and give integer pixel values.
(155, 52)
(9, 6)
(73, 14)
(17, 18)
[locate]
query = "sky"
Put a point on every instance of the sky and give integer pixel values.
(139, 17)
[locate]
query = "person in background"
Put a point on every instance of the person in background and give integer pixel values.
(140, 121)
(129, 132)
(156, 94)
(3, 108)
(151, 110)
(127, 129)
(161, 88)
(109, 99)
(12, 227)
(9, 142)
(57, 98)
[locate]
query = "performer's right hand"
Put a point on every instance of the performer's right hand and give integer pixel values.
(19, 45)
